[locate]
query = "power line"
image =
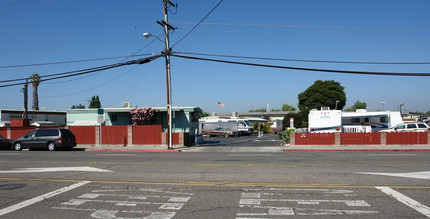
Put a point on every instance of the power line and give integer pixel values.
(307, 60)
(87, 71)
(310, 26)
(75, 61)
(197, 24)
(307, 69)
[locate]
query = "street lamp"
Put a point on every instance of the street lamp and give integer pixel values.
(148, 35)
(166, 54)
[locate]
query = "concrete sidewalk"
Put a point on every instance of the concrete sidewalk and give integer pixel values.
(293, 148)
(288, 148)
(130, 148)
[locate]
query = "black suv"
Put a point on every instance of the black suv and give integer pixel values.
(46, 138)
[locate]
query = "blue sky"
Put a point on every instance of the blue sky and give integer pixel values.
(38, 31)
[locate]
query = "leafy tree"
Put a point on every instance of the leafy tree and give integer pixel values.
(287, 107)
(275, 110)
(35, 81)
(80, 106)
(322, 94)
(428, 113)
(357, 105)
(95, 103)
(258, 110)
(300, 119)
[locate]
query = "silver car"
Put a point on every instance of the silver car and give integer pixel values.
(409, 127)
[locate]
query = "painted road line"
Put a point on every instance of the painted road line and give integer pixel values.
(415, 175)
(115, 154)
(249, 155)
(425, 210)
(392, 154)
(9, 154)
(41, 198)
(56, 169)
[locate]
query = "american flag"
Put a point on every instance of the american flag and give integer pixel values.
(220, 104)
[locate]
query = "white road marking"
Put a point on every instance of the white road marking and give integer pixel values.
(416, 175)
(392, 154)
(425, 210)
(116, 154)
(166, 204)
(41, 198)
(249, 155)
(56, 169)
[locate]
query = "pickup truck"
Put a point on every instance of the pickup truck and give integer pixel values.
(219, 131)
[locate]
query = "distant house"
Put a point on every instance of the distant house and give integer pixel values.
(36, 118)
(185, 119)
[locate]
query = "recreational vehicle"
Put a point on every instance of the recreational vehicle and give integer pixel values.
(243, 125)
(326, 120)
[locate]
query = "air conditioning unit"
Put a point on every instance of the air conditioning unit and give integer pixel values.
(126, 105)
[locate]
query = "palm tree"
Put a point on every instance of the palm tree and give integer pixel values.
(35, 81)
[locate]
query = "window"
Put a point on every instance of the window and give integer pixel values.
(366, 120)
(47, 132)
(412, 126)
(383, 119)
(355, 120)
(113, 118)
(422, 126)
(401, 127)
(31, 133)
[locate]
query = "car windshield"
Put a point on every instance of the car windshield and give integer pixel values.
(247, 123)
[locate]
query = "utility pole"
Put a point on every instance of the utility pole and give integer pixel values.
(167, 52)
(26, 103)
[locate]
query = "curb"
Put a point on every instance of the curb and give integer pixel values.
(138, 150)
(352, 150)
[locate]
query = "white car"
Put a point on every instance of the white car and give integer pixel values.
(409, 127)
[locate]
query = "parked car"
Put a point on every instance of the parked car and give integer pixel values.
(219, 131)
(5, 143)
(409, 127)
(50, 139)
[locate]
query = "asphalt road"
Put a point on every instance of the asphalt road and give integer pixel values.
(82, 184)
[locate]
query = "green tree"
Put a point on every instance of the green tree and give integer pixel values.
(300, 119)
(357, 105)
(322, 94)
(95, 103)
(287, 107)
(258, 110)
(35, 81)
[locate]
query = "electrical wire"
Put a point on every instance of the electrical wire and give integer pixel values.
(75, 61)
(307, 60)
(87, 71)
(133, 87)
(309, 26)
(197, 24)
(306, 69)
(82, 91)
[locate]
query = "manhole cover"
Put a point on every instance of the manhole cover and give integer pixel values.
(11, 186)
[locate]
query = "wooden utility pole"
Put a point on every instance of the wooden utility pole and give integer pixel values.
(26, 103)
(167, 52)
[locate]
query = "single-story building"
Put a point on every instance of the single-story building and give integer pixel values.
(36, 118)
(184, 119)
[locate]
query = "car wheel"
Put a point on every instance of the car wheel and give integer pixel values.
(51, 146)
(208, 134)
(17, 146)
(226, 135)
